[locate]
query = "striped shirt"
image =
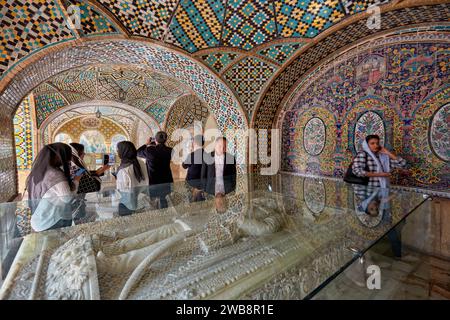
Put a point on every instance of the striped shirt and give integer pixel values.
(364, 161)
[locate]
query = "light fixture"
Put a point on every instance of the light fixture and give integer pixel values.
(98, 114)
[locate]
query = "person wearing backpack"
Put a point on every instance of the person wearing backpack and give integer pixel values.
(374, 163)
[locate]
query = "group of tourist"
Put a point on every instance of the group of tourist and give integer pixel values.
(59, 177)
(59, 174)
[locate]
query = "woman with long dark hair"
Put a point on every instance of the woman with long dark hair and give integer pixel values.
(50, 188)
(132, 177)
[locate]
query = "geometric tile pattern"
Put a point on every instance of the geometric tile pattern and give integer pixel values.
(192, 25)
(248, 23)
(184, 112)
(247, 78)
(220, 101)
(355, 6)
(92, 21)
(144, 90)
(75, 129)
(46, 104)
(219, 60)
(197, 24)
(280, 52)
(130, 120)
(27, 26)
(141, 17)
(158, 112)
(306, 18)
(23, 134)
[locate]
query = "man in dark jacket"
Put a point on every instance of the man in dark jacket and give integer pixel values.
(218, 173)
(194, 162)
(158, 160)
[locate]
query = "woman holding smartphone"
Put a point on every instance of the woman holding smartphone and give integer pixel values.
(50, 188)
(376, 162)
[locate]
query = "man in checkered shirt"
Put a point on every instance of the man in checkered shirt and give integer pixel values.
(365, 166)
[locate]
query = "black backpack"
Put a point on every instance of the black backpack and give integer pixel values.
(350, 177)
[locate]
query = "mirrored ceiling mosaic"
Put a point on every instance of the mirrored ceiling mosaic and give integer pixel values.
(218, 33)
(145, 90)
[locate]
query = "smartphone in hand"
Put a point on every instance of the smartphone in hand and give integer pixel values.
(80, 172)
(105, 159)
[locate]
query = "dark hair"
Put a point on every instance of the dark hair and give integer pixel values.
(51, 155)
(198, 140)
(161, 137)
(372, 136)
(128, 156)
(221, 138)
(78, 146)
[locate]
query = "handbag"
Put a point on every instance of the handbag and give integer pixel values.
(350, 177)
(89, 183)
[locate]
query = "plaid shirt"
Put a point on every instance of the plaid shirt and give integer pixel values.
(363, 161)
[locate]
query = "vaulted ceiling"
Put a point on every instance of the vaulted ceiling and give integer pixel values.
(145, 90)
(244, 42)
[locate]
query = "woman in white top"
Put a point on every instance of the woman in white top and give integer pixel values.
(50, 190)
(132, 177)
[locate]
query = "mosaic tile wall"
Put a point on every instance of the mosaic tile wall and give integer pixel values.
(184, 113)
(197, 24)
(280, 52)
(398, 88)
(76, 127)
(190, 25)
(285, 81)
(247, 78)
(248, 23)
(28, 26)
(8, 185)
(92, 21)
(219, 60)
(220, 101)
(146, 90)
(142, 18)
(307, 18)
(23, 135)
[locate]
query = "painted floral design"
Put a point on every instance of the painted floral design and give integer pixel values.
(314, 136)
(369, 123)
(314, 195)
(440, 134)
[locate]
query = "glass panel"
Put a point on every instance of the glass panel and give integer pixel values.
(269, 237)
(411, 262)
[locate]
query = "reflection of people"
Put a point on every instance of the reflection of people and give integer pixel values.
(50, 189)
(373, 209)
(131, 175)
(158, 160)
(378, 160)
(219, 175)
(193, 164)
(220, 203)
